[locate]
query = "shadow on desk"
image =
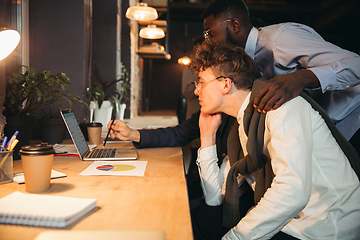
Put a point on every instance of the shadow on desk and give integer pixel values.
(94, 210)
(60, 187)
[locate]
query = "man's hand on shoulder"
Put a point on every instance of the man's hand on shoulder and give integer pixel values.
(283, 88)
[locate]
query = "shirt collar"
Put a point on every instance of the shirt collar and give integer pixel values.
(243, 107)
(251, 42)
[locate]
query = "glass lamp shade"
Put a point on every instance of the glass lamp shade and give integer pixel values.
(184, 61)
(141, 12)
(9, 39)
(152, 32)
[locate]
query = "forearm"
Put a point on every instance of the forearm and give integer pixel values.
(179, 135)
(339, 75)
(308, 78)
(134, 136)
(335, 68)
(207, 140)
(210, 175)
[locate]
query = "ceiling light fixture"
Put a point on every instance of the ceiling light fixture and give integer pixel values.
(141, 12)
(152, 32)
(9, 39)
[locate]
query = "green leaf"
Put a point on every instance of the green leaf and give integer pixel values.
(37, 90)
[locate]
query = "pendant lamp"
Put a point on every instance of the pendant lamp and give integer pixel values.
(184, 60)
(152, 32)
(9, 39)
(141, 12)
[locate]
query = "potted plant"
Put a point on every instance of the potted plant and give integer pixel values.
(30, 91)
(51, 126)
(107, 96)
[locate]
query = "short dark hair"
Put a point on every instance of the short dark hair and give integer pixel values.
(226, 60)
(221, 7)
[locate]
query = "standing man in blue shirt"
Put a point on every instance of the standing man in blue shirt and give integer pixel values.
(294, 58)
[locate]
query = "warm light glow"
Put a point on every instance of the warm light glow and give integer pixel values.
(158, 46)
(9, 39)
(152, 32)
(184, 61)
(141, 12)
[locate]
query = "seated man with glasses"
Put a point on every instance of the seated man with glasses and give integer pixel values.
(299, 166)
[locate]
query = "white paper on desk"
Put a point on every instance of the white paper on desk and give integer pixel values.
(67, 148)
(116, 168)
(19, 177)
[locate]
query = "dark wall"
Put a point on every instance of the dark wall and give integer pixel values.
(125, 36)
(104, 39)
(164, 86)
(60, 37)
(335, 21)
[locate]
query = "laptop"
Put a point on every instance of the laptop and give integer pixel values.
(103, 154)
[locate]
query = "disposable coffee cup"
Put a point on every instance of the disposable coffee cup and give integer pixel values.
(94, 133)
(37, 161)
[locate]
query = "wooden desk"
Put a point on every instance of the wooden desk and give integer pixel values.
(156, 201)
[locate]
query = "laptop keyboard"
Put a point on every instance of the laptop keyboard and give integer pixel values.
(102, 153)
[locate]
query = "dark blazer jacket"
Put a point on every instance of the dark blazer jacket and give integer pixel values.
(184, 133)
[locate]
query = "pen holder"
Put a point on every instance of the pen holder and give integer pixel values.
(6, 167)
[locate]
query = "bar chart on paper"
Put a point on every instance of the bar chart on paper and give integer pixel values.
(116, 168)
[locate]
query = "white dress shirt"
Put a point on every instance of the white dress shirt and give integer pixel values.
(288, 47)
(315, 193)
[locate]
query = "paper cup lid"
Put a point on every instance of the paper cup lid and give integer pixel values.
(94, 124)
(37, 149)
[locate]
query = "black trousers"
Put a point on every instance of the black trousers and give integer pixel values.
(207, 220)
(207, 224)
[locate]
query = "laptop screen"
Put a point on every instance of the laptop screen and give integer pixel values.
(75, 133)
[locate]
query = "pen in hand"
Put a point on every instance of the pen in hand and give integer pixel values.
(107, 135)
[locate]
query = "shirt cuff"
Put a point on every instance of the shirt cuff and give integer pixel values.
(207, 154)
(326, 77)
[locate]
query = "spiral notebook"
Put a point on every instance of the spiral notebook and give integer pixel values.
(42, 210)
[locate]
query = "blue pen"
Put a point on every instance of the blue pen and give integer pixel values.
(12, 139)
(3, 144)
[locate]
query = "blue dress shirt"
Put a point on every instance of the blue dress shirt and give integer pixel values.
(288, 47)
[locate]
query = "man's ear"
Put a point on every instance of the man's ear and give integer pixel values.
(235, 25)
(228, 84)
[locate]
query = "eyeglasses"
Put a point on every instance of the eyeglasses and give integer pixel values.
(207, 32)
(200, 85)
